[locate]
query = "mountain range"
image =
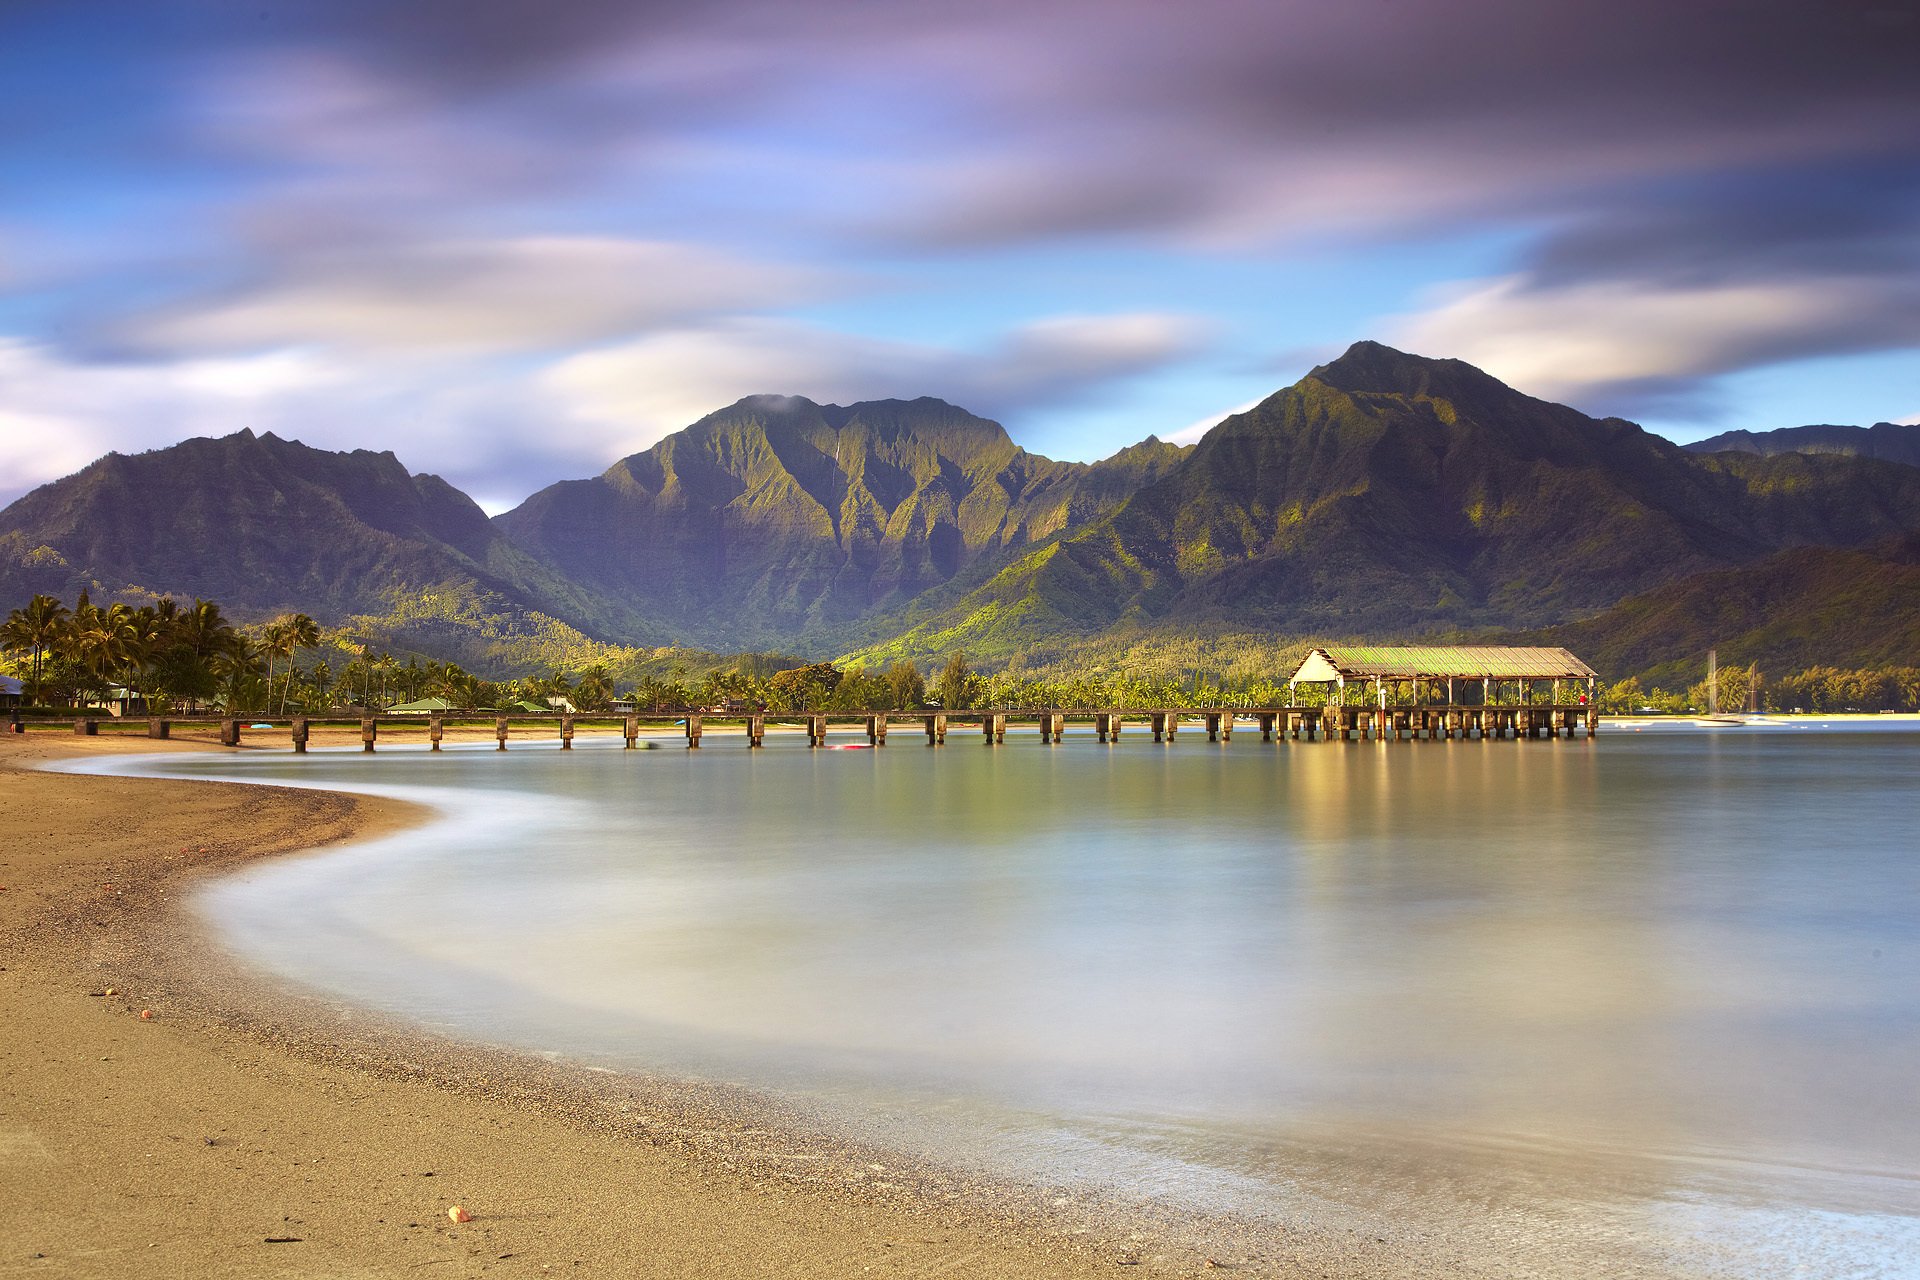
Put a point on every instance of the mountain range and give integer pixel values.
(1384, 495)
(1889, 441)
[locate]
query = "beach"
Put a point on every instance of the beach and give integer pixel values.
(235, 1133)
(253, 1125)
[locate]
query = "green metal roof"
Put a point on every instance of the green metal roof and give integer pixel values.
(1468, 662)
(425, 704)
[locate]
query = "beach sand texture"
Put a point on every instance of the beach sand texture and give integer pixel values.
(186, 1144)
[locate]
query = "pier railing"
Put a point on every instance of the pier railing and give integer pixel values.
(1273, 724)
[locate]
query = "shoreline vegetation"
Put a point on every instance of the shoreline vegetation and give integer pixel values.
(166, 657)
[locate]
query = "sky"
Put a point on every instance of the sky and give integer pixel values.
(513, 242)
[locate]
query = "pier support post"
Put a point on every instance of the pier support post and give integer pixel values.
(1266, 727)
(1051, 724)
(1593, 719)
(229, 733)
(1100, 721)
(1212, 720)
(631, 732)
(369, 730)
(299, 734)
(566, 731)
(877, 730)
(937, 729)
(157, 727)
(1159, 721)
(693, 732)
(816, 731)
(500, 732)
(436, 729)
(756, 731)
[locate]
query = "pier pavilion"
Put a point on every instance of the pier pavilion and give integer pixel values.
(1414, 672)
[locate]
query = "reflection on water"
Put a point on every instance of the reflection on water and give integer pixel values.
(1663, 965)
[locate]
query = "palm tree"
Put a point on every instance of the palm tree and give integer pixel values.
(205, 642)
(595, 688)
(148, 633)
(37, 628)
(284, 635)
(101, 643)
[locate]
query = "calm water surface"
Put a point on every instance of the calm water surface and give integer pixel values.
(1673, 976)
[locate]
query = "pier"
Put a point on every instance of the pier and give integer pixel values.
(1373, 694)
(1431, 723)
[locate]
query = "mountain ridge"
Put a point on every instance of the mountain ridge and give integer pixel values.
(777, 518)
(1382, 495)
(1886, 441)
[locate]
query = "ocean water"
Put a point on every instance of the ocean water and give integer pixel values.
(1662, 987)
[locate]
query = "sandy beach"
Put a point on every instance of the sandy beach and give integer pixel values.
(251, 1128)
(234, 1133)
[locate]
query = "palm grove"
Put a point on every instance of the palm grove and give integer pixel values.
(168, 657)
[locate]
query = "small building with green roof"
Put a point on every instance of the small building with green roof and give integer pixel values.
(1486, 665)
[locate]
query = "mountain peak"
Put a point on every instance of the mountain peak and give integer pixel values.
(1375, 367)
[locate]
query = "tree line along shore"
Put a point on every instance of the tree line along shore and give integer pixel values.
(168, 657)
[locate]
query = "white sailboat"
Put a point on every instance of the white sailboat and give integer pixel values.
(1713, 718)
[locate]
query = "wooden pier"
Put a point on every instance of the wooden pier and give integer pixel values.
(1436, 723)
(1407, 694)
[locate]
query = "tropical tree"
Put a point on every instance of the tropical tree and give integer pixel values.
(205, 647)
(905, 686)
(955, 683)
(282, 636)
(594, 689)
(100, 641)
(35, 628)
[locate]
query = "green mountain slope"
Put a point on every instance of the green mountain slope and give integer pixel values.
(1390, 495)
(778, 520)
(266, 525)
(1811, 606)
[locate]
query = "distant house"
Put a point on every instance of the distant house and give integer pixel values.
(118, 700)
(12, 693)
(425, 706)
(1477, 670)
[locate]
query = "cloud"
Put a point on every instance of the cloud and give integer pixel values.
(530, 293)
(1638, 310)
(1005, 121)
(1626, 346)
(480, 430)
(660, 383)
(500, 433)
(1191, 433)
(59, 416)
